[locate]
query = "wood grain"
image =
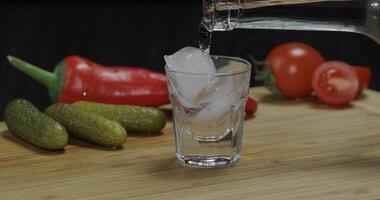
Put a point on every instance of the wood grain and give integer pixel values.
(291, 150)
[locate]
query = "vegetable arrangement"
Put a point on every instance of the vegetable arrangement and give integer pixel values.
(84, 91)
(85, 120)
(95, 103)
(296, 70)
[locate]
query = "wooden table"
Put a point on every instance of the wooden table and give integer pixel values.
(292, 150)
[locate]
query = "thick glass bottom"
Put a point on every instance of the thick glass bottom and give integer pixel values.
(207, 161)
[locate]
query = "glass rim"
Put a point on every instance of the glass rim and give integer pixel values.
(241, 60)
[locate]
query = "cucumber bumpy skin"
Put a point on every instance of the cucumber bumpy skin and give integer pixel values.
(28, 123)
(133, 118)
(88, 126)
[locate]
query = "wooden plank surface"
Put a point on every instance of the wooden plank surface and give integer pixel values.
(291, 150)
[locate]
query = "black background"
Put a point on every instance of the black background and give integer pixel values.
(138, 33)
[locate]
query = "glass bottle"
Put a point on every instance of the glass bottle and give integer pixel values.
(358, 16)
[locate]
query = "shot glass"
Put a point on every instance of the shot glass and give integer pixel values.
(208, 112)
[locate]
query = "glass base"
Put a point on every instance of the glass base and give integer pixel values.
(207, 161)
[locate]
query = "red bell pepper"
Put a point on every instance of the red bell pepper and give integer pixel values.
(76, 78)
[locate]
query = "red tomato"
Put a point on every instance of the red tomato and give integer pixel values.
(292, 65)
(335, 83)
(364, 75)
(250, 106)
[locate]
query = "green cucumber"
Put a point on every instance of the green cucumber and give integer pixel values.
(88, 126)
(133, 118)
(28, 123)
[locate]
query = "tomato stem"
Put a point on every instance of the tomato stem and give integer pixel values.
(264, 74)
(257, 65)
